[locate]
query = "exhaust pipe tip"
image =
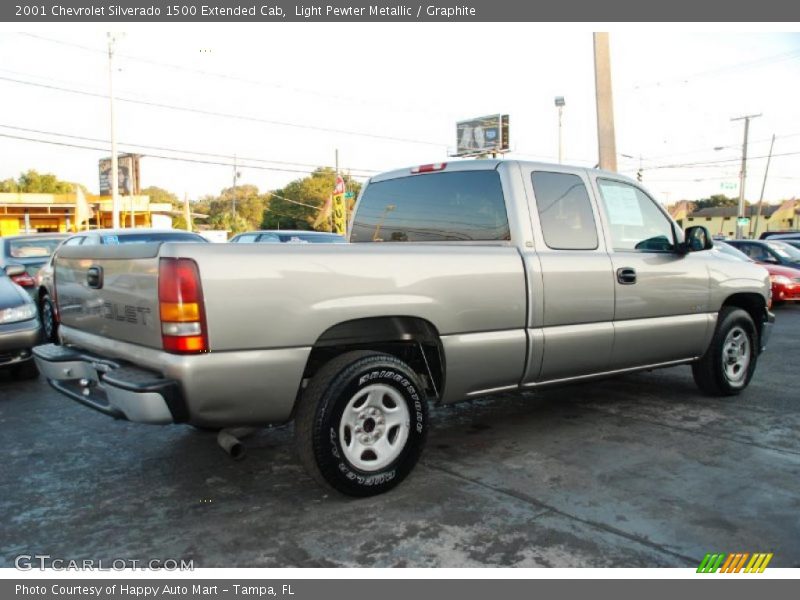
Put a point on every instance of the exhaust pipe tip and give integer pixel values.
(231, 444)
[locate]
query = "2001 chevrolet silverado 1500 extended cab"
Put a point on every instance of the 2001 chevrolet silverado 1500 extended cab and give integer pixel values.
(490, 275)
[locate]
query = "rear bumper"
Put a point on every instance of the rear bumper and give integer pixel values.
(111, 387)
(16, 341)
(218, 389)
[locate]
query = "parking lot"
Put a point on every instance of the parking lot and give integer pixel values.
(640, 471)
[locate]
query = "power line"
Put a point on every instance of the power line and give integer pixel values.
(167, 149)
(212, 113)
(725, 69)
(226, 76)
(173, 158)
(714, 162)
(707, 149)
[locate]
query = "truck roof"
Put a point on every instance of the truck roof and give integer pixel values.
(488, 165)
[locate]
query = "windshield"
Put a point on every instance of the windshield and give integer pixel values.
(784, 250)
(32, 247)
(143, 238)
(314, 238)
(731, 251)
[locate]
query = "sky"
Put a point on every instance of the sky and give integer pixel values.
(283, 98)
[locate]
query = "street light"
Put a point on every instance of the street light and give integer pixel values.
(560, 106)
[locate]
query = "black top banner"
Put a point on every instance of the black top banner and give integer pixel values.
(129, 11)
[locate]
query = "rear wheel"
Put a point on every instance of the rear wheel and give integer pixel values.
(730, 361)
(49, 323)
(361, 423)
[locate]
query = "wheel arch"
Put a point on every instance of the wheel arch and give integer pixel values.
(413, 340)
(752, 303)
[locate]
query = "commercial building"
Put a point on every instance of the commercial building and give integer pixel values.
(721, 221)
(23, 212)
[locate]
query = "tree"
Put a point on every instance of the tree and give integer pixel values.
(161, 196)
(297, 205)
(249, 208)
(715, 201)
(33, 182)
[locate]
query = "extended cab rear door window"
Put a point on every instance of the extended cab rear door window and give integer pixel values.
(455, 206)
(565, 211)
(636, 223)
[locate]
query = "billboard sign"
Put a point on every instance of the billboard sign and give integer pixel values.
(483, 135)
(127, 173)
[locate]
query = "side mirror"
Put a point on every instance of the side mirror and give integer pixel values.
(14, 270)
(696, 239)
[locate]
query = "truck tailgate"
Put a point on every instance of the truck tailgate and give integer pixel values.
(110, 291)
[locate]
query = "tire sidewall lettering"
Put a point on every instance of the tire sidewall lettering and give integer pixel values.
(335, 407)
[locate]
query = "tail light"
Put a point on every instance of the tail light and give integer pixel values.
(180, 297)
(429, 168)
(24, 280)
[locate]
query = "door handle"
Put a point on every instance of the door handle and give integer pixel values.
(626, 275)
(94, 277)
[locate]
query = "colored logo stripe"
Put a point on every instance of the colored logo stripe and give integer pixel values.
(734, 562)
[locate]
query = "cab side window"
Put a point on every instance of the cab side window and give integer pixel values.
(635, 221)
(565, 211)
(247, 238)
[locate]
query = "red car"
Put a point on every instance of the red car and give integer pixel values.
(785, 280)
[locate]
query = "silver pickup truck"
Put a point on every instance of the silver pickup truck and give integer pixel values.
(460, 280)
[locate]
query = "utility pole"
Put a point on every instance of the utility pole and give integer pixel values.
(115, 208)
(235, 177)
(187, 212)
(763, 186)
(743, 173)
(606, 142)
(560, 105)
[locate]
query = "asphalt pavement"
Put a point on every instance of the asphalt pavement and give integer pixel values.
(638, 471)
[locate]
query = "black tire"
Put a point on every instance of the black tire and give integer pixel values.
(716, 373)
(49, 322)
(321, 430)
(25, 370)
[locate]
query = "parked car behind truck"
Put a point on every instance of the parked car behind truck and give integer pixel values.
(30, 251)
(19, 326)
(489, 276)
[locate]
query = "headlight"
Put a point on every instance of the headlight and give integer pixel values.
(18, 313)
(780, 279)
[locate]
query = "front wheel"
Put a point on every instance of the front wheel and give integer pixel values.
(361, 423)
(730, 361)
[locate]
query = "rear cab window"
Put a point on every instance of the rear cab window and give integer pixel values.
(457, 206)
(33, 247)
(565, 211)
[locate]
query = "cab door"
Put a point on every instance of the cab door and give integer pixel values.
(572, 292)
(661, 297)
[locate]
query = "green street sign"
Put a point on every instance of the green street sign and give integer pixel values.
(742, 221)
(349, 195)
